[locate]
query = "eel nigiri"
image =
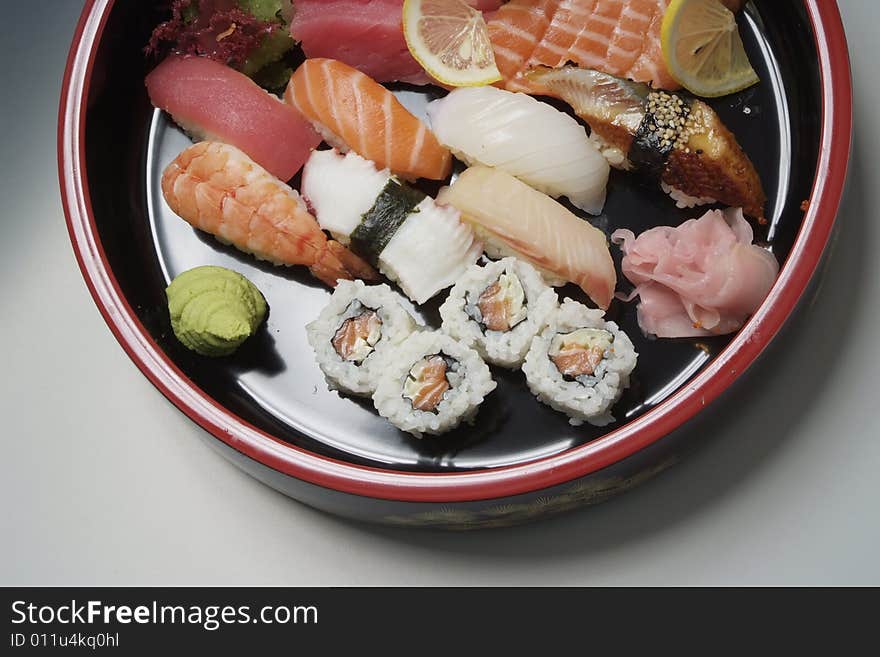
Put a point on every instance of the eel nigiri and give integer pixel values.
(218, 189)
(354, 112)
(525, 137)
(513, 219)
(672, 136)
(422, 247)
(213, 101)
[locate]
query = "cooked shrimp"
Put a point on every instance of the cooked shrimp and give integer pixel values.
(220, 190)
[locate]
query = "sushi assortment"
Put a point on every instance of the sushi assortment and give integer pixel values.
(489, 238)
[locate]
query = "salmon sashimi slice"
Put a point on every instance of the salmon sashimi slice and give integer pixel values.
(567, 22)
(515, 31)
(513, 219)
(218, 189)
(620, 37)
(213, 101)
(354, 112)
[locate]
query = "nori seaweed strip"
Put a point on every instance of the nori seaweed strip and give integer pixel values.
(378, 225)
(665, 117)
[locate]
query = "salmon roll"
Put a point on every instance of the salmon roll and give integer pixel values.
(498, 309)
(580, 364)
(353, 334)
(432, 383)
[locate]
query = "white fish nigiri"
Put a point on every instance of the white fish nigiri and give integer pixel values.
(531, 140)
(422, 247)
(514, 219)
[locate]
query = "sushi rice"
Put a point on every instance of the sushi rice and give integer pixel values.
(389, 324)
(467, 382)
(529, 303)
(585, 397)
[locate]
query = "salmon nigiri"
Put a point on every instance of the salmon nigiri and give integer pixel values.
(218, 189)
(354, 112)
(513, 219)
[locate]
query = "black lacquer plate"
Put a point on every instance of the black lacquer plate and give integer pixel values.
(274, 381)
(274, 384)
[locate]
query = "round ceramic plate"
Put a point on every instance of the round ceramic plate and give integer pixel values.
(270, 403)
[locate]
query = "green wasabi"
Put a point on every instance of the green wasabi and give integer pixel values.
(214, 309)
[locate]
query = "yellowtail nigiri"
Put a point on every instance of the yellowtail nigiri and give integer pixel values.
(513, 219)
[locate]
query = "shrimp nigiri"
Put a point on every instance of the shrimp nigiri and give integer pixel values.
(218, 189)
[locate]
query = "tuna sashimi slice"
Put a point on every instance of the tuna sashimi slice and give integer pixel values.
(702, 278)
(215, 102)
(365, 34)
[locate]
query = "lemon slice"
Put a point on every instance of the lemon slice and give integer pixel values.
(450, 40)
(703, 49)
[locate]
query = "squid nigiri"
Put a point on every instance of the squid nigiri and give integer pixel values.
(422, 247)
(513, 219)
(354, 112)
(218, 189)
(525, 137)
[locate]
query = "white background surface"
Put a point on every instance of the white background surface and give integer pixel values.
(103, 482)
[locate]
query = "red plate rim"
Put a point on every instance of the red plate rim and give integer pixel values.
(484, 484)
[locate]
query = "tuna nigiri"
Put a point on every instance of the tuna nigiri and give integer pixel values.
(213, 101)
(354, 112)
(422, 247)
(218, 189)
(531, 140)
(513, 219)
(671, 136)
